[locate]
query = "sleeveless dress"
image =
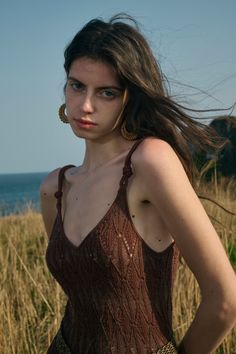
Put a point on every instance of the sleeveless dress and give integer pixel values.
(119, 290)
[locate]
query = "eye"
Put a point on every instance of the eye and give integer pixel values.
(76, 86)
(109, 94)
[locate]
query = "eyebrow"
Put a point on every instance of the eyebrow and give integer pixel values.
(100, 87)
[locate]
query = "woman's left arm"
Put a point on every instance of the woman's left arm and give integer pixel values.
(170, 191)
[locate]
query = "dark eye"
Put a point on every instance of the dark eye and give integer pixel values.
(76, 86)
(108, 93)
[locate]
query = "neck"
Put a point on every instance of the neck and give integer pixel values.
(101, 153)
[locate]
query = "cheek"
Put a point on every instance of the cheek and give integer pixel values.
(67, 99)
(114, 109)
(110, 116)
(72, 104)
(67, 94)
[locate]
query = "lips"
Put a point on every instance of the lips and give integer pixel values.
(85, 121)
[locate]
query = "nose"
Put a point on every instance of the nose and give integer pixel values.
(87, 104)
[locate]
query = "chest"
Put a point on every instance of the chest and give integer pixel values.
(88, 200)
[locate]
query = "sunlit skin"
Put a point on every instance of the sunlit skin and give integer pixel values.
(93, 93)
(173, 212)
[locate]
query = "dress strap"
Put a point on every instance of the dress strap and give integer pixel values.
(59, 193)
(127, 169)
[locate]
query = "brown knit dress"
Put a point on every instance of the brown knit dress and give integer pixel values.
(119, 290)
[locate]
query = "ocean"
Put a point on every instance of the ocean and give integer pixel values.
(19, 190)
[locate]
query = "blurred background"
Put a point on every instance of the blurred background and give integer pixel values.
(194, 42)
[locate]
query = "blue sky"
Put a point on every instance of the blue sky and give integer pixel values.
(194, 42)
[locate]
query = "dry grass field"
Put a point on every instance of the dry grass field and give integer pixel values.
(31, 303)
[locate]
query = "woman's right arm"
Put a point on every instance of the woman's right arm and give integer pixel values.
(48, 201)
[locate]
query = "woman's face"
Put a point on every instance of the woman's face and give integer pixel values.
(94, 99)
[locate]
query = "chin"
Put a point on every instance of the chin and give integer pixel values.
(79, 133)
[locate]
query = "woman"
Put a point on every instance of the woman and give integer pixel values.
(118, 222)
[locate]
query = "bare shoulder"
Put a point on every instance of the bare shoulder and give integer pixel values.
(158, 169)
(49, 185)
(171, 194)
(157, 155)
(153, 142)
(48, 188)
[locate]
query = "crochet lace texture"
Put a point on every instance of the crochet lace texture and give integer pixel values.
(119, 289)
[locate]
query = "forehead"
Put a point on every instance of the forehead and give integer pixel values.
(96, 72)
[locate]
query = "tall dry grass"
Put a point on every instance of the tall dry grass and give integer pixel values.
(31, 302)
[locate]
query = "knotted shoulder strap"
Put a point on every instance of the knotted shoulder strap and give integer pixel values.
(59, 193)
(127, 170)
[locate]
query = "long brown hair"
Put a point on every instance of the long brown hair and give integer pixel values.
(150, 110)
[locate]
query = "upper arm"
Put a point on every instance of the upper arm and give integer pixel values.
(48, 201)
(169, 190)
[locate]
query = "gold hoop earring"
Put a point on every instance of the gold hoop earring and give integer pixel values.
(62, 115)
(127, 135)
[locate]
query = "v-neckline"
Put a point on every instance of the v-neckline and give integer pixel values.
(122, 185)
(77, 247)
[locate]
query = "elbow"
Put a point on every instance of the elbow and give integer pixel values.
(225, 310)
(221, 306)
(229, 303)
(228, 311)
